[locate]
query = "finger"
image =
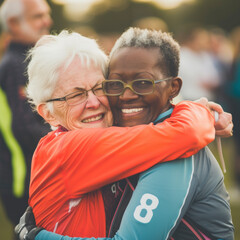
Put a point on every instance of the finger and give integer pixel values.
(227, 132)
(215, 107)
(203, 101)
(224, 120)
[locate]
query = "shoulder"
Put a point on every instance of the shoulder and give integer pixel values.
(11, 63)
(206, 160)
(176, 171)
(207, 170)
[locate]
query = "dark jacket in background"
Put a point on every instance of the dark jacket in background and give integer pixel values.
(24, 128)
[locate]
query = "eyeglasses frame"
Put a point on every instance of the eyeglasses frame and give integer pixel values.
(65, 97)
(129, 85)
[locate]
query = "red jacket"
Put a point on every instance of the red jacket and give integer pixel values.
(67, 165)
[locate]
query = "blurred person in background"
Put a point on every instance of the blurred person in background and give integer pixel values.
(197, 68)
(221, 52)
(233, 89)
(25, 21)
(4, 40)
(153, 23)
(107, 40)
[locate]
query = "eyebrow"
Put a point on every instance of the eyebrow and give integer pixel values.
(134, 74)
(83, 89)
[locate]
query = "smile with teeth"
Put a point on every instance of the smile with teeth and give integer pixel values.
(131, 110)
(93, 119)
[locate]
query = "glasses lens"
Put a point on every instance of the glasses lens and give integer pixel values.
(113, 87)
(98, 91)
(76, 98)
(142, 86)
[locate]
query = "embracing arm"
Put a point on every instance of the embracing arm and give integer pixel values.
(116, 153)
(96, 157)
(45, 235)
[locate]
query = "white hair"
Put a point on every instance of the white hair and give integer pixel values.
(10, 8)
(53, 52)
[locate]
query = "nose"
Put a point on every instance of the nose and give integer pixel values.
(92, 101)
(47, 20)
(128, 94)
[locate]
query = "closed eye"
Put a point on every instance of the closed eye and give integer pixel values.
(76, 94)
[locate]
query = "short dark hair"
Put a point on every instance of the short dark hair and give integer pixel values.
(169, 49)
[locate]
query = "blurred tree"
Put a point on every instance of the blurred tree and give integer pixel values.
(221, 13)
(117, 15)
(59, 21)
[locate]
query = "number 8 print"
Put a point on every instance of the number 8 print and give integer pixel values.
(148, 208)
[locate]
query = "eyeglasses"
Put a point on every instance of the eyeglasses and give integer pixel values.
(138, 86)
(80, 95)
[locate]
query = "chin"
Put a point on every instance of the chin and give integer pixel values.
(96, 125)
(128, 124)
(131, 123)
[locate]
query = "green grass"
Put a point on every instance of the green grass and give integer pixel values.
(228, 150)
(236, 219)
(6, 229)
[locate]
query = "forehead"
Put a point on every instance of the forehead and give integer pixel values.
(79, 75)
(131, 58)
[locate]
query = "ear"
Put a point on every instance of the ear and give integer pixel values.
(14, 24)
(46, 114)
(176, 85)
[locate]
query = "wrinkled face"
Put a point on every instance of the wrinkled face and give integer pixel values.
(131, 109)
(37, 20)
(92, 113)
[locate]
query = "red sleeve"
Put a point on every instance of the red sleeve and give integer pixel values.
(96, 157)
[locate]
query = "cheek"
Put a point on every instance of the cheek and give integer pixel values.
(160, 103)
(156, 103)
(73, 115)
(104, 101)
(113, 102)
(163, 93)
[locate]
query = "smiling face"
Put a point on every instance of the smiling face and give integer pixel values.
(92, 113)
(131, 109)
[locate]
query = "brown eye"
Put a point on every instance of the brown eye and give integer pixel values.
(142, 86)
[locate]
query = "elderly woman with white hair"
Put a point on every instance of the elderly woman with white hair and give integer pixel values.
(72, 163)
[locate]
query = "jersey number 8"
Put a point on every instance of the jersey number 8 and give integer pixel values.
(146, 209)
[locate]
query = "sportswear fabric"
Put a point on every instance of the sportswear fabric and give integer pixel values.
(69, 167)
(204, 171)
(192, 188)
